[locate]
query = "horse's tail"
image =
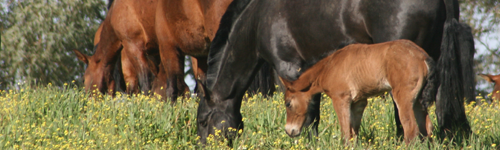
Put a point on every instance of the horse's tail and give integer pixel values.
(263, 81)
(450, 110)
(431, 85)
(466, 52)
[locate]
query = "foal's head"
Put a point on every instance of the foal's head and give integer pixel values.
(298, 96)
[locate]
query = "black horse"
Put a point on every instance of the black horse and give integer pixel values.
(292, 35)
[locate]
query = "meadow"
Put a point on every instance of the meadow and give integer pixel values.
(48, 117)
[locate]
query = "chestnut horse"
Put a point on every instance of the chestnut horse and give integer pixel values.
(496, 87)
(352, 74)
(132, 35)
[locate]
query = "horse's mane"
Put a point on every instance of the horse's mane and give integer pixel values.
(229, 18)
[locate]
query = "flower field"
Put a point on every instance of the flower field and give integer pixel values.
(47, 117)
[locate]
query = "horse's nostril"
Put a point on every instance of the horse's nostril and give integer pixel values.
(287, 104)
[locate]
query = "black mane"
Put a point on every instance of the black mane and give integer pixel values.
(229, 18)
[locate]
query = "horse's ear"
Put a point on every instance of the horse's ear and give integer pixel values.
(491, 78)
(203, 93)
(487, 77)
(286, 83)
(297, 85)
(81, 56)
(302, 85)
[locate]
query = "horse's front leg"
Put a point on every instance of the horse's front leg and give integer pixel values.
(135, 53)
(342, 106)
(129, 74)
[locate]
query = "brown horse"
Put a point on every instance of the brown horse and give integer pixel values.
(123, 29)
(173, 28)
(356, 72)
(496, 88)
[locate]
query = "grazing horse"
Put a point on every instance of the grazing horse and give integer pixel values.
(133, 35)
(495, 96)
(292, 35)
(166, 30)
(352, 74)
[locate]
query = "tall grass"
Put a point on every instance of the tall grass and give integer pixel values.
(37, 117)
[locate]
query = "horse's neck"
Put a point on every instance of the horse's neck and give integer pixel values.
(109, 44)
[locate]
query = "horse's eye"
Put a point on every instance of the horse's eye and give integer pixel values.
(287, 104)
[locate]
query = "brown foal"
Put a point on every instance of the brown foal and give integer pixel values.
(352, 74)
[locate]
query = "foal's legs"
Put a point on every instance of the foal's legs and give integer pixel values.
(405, 100)
(399, 127)
(349, 114)
(342, 108)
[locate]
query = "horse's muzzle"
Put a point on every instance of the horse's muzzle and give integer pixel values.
(292, 130)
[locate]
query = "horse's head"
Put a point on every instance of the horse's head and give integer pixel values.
(298, 98)
(97, 76)
(210, 119)
(496, 89)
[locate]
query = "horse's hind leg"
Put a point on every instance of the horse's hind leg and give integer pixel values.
(399, 127)
(423, 120)
(405, 101)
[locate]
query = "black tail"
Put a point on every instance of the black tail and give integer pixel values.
(466, 53)
(431, 85)
(263, 81)
(450, 110)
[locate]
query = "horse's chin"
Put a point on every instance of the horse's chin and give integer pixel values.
(293, 134)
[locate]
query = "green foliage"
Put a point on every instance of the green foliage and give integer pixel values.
(48, 117)
(38, 36)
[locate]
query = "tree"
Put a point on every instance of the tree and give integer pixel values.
(37, 37)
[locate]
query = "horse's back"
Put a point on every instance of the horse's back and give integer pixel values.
(134, 20)
(378, 66)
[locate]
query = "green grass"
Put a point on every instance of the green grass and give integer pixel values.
(46, 117)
